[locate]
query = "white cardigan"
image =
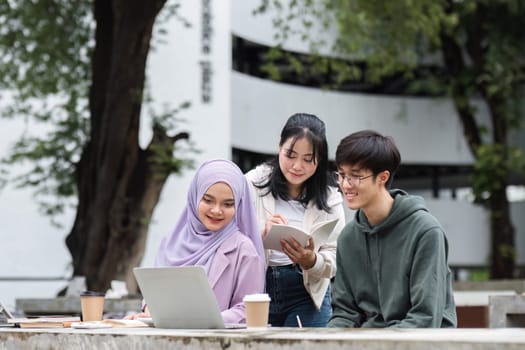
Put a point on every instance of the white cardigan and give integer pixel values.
(317, 278)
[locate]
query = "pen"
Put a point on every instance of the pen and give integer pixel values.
(299, 321)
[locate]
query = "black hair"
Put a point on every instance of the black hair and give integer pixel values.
(299, 126)
(369, 149)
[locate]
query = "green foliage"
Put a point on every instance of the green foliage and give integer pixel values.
(516, 160)
(304, 19)
(431, 85)
(389, 36)
(169, 11)
(478, 275)
(507, 251)
(45, 76)
(329, 73)
(490, 168)
(45, 49)
(493, 164)
(395, 37)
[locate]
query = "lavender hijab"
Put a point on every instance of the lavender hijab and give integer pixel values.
(191, 243)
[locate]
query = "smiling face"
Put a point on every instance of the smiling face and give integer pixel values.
(361, 193)
(297, 163)
(217, 206)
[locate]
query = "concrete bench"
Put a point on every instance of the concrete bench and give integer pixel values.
(507, 311)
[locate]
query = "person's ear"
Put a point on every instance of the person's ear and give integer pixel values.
(384, 176)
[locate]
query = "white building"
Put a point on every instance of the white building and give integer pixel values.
(234, 110)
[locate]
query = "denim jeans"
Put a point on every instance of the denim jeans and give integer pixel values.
(290, 299)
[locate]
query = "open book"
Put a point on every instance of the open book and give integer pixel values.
(44, 321)
(121, 323)
(109, 323)
(320, 233)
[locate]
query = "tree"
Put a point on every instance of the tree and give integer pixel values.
(79, 67)
(476, 51)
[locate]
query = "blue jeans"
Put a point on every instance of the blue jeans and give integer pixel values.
(290, 299)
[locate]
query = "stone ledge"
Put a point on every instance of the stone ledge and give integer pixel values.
(517, 285)
(268, 339)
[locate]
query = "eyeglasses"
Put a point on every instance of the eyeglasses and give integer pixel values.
(354, 180)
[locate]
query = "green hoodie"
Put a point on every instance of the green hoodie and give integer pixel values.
(394, 274)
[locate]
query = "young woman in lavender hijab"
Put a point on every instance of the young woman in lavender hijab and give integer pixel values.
(218, 230)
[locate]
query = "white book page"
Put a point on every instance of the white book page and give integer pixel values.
(280, 231)
(320, 233)
(322, 230)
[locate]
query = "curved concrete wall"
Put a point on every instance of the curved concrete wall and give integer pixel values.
(426, 130)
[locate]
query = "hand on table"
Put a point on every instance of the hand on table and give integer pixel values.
(143, 314)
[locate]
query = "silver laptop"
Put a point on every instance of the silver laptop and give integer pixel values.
(179, 297)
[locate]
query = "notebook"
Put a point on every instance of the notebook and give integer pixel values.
(180, 297)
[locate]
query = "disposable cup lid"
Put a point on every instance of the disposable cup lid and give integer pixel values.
(257, 297)
(91, 293)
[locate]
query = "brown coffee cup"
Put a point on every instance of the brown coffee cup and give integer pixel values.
(257, 307)
(92, 304)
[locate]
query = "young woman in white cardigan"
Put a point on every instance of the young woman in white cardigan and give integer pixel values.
(295, 188)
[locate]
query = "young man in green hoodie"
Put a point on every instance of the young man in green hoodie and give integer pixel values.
(392, 268)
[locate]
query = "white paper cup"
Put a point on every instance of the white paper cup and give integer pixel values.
(257, 307)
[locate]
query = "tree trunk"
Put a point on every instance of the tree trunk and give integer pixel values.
(501, 230)
(118, 182)
(502, 238)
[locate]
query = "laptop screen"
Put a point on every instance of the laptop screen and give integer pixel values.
(179, 297)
